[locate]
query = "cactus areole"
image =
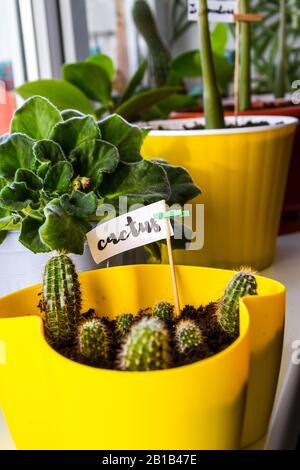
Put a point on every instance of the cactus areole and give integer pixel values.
(164, 311)
(188, 336)
(61, 300)
(93, 341)
(242, 284)
(147, 347)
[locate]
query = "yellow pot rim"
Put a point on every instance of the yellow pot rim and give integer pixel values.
(244, 302)
(275, 123)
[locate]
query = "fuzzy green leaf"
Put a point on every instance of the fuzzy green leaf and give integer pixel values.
(63, 232)
(31, 180)
(62, 94)
(133, 107)
(3, 138)
(70, 113)
(43, 169)
(104, 62)
(36, 118)
(17, 196)
(91, 79)
(142, 182)
(16, 152)
(182, 185)
(6, 221)
(3, 236)
(71, 133)
(48, 151)
(59, 177)
(80, 204)
(93, 158)
(3, 182)
(126, 137)
(30, 236)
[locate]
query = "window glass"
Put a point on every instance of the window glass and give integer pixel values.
(112, 32)
(11, 60)
(12, 71)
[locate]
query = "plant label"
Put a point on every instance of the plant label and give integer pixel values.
(219, 11)
(129, 231)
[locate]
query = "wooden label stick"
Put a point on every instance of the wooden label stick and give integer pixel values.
(237, 70)
(172, 268)
(239, 18)
(248, 17)
(167, 215)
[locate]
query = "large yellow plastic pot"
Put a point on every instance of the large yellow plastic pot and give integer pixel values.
(242, 173)
(50, 402)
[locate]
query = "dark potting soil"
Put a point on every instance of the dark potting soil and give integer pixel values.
(215, 340)
(201, 127)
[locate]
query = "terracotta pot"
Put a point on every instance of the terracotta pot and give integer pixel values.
(290, 220)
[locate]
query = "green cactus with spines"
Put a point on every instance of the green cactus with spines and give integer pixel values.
(242, 284)
(146, 25)
(123, 323)
(93, 341)
(147, 347)
(188, 336)
(61, 300)
(164, 311)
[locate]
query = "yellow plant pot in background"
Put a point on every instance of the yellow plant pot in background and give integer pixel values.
(50, 402)
(242, 173)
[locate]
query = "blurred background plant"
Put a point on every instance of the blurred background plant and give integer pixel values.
(275, 41)
(170, 67)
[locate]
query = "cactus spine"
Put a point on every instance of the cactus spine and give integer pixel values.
(146, 347)
(164, 311)
(242, 284)
(124, 323)
(188, 336)
(61, 300)
(93, 341)
(145, 23)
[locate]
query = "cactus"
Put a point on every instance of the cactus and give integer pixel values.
(124, 323)
(188, 336)
(242, 284)
(93, 341)
(164, 311)
(146, 347)
(161, 58)
(61, 300)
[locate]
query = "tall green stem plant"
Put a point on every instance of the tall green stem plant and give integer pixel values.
(280, 79)
(245, 64)
(213, 109)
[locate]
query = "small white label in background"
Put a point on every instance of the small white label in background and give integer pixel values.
(131, 230)
(219, 11)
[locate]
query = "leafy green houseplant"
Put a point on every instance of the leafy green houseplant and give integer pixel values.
(172, 71)
(88, 87)
(275, 50)
(56, 169)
